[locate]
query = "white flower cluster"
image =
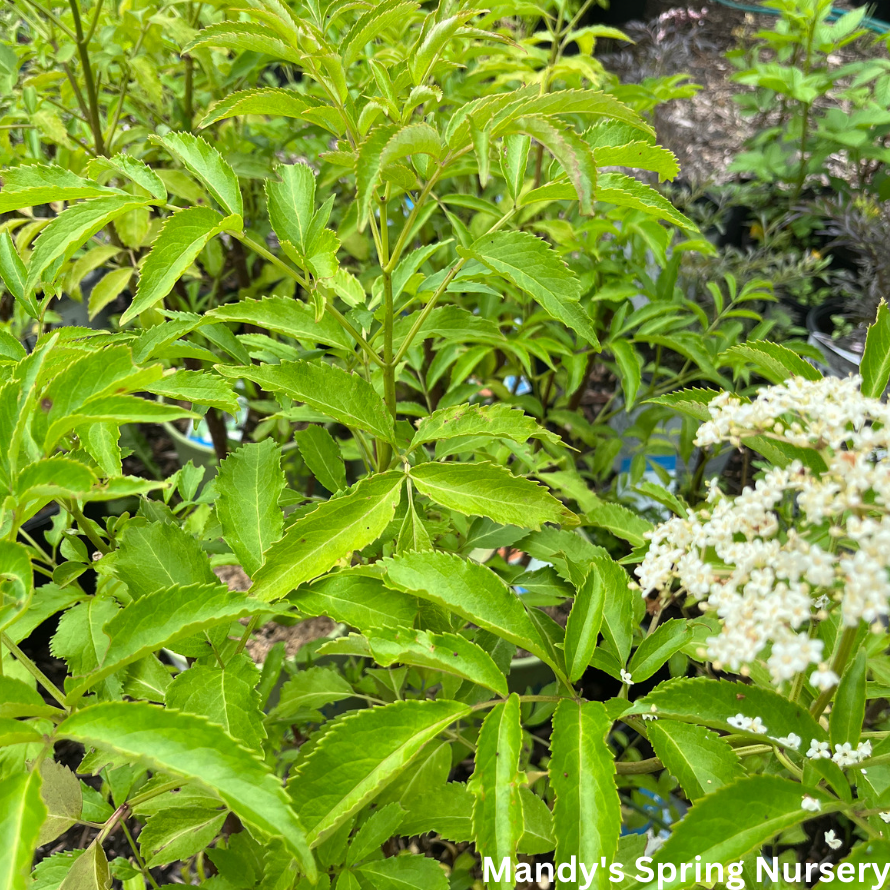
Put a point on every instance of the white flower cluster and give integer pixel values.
(762, 561)
(844, 755)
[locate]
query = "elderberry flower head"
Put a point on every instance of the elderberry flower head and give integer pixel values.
(760, 561)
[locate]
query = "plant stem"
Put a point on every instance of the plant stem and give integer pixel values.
(92, 98)
(638, 768)
(86, 526)
(840, 662)
(157, 791)
(33, 670)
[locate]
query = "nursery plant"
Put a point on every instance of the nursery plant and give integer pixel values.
(390, 260)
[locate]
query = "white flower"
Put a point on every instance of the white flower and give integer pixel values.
(864, 751)
(627, 677)
(885, 817)
(757, 726)
(833, 840)
(824, 678)
(790, 741)
(810, 804)
(740, 721)
(819, 750)
(844, 755)
(653, 843)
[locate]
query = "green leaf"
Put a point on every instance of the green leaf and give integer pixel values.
(245, 37)
(875, 365)
(725, 826)
(499, 421)
(630, 364)
(157, 555)
(79, 638)
(225, 695)
(386, 145)
(371, 24)
(207, 164)
(197, 387)
(178, 833)
(321, 454)
(133, 169)
(62, 797)
(161, 618)
(49, 873)
(108, 289)
(71, 228)
(571, 152)
(16, 581)
(873, 855)
(529, 263)
(495, 783)
(514, 162)
(625, 191)
(714, 702)
(249, 483)
(583, 625)
(342, 396)
(33, 184)
(292, 206)
(669, 637)
(692, 402)
(357, 600)
(405, 873)
(776, 362)
(191, 747)
(468, 589)
(284, 316)
(310, 690)
(379, 828)
(446, 652)
(641, 156)
(586, 812)
(485, 489)
(331, 532)
(623, 523)
(848, 710)
(701, 761)
(413, 534)
(359, 755)
(537, 837)
(445, 809)
(89, 871)
(270, 101)
(14, 275)
(182, 237)
(21, 814)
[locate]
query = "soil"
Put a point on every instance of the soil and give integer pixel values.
(293, 636)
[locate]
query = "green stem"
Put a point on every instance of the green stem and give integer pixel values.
(33, 670)
(638, 768)
(844, 651)
(157, 791)
(92, 98)
(87, 527)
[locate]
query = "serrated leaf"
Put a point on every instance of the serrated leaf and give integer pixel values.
(701, 761)
(495, 783)
(446, 652)
(178, 833)
(359, 755)
(133, 169)
(583, 625)
(245, 37)
(379, 828)
(71, 228)
(161, 618)
(284, 316)
(224, 695)
(625, 191)
(249, 483)
(587, 811)
(485, 489)
(79, 638)
(468, 589)
(641, 156)
(191, 747)
(341, 396)
(669, 637)
(514, 162)
(207, 164)
(89, 871)
(30, 185)
(499, 421)
(292, 206)
(310, 690)
(62, 797)
(15, 275)
(693, 402)
(630, 364)
(875, 365)
(159, 555)
(108, 289)
(446, 809)
(182, 237)
(357, 600)
(322, 456)
(371, 24)
(49, 873)
(732, 822)
(537, 836)
(197, 387)
(776, 362)
(527, 262)
(331, 532)
(269, 101)
(21, 814)
(53, 477)
(405, 873)
(848, 710)
(714, 702)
